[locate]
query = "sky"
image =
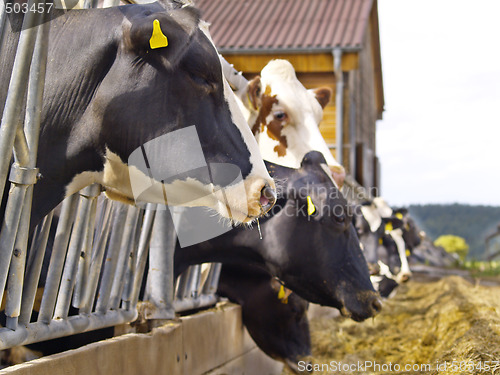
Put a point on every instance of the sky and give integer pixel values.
(439, 140)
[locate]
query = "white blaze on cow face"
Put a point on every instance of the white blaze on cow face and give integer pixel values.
(287, 124)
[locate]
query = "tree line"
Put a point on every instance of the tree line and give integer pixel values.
(472, 222)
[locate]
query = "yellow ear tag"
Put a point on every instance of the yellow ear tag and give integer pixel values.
(281, 293)
(408, 252)
(380, 241)
(399, 215)
(158, 39)
(388, 227)
(310, 206)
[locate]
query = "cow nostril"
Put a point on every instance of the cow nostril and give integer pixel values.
(376, 305)
(267, 198)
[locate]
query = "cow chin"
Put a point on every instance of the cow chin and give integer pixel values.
(233, 204)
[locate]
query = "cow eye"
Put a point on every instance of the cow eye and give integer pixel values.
(203, 82)
(280, 115)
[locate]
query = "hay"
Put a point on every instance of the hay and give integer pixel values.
(424, 324)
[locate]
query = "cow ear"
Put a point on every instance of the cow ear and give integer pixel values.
(254, 92)
(323, 95)
(162, 35)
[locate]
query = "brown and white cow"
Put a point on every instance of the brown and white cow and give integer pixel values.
(284, 117)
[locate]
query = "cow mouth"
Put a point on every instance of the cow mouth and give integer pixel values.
(370, 305)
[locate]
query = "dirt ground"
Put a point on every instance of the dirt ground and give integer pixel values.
(449, 326)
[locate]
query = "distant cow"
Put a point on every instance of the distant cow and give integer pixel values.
(382, 232)
(308, 242)
(278, 324)
(285, 117)
(108, 93)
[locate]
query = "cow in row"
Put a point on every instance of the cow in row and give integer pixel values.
(284, 116)
(308, 242)
(275, 317)
(142, 120)
(387, 236)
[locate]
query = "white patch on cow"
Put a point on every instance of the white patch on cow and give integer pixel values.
(258, 167)
(372, 216)
(404, 273)
(382, 207)
(229, 202)
(305, 114)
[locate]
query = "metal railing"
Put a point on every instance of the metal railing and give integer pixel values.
(98, 249)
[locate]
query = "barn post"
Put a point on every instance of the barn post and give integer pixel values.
(339, 103)
(161, 267)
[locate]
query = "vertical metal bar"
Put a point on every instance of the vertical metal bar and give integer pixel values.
(212, 281)
(96, 260)
(57, 257)
(17, 88)
(133, 260)
(119, 217)
(142, 254)
(161, 266)
(85, 255)
(193, 282)
(34, 267)
(9, 231)
(75, 246)
(128, 236)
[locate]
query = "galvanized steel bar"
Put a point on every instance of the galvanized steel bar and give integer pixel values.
(128, 237)
(18, 261)
(91, 193)
(161, 266)
(212, 281)
(119, 217)
(34, 267)
(110, 3)
(96, 259)
(57, 257)
(9, 232)
(142, 253)
(17, 88)
(195, 303)
(32, 132)
(36, 332)
(75, 246)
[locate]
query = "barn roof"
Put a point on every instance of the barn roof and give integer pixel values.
(286, 25)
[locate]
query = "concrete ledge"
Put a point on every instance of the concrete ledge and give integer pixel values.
(191, 345)
(253, 362)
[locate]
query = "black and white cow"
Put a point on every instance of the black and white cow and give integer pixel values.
(109, 94)
(308, 242)
(387, 237)
(277, 323)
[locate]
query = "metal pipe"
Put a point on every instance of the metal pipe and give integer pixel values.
(9, 231)
(161, 266)
(96, 260)
(119, 216)
(128, 236)
(34, 267)
(142, 254)
(195, 303)
(110, 3)
(212, 281)
(36, 332)
(17, 88)
(57, 257)
(75, 246)
(339, 103)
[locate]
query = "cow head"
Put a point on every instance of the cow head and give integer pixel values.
(157, 120)
(312, 245)
(285, 117)
(278, 325)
